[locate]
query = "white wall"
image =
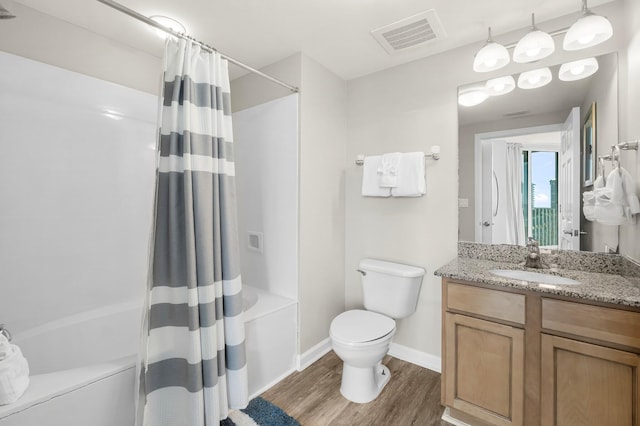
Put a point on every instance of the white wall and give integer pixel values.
(41, 37)
(629, 113)
(412, 107)
(266, 161)
(77, 191)
(604, 92)
(322, 158)
(323, 142)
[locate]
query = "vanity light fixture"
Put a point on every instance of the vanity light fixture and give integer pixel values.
(500, 86)
(578, 70)
(535, 78)
(472, 95)
(491, 57)
(589, 30)
(169, 23)
(535, 45)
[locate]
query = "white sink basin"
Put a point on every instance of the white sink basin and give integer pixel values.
(536, 277)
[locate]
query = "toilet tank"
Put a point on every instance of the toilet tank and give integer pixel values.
(390, 288)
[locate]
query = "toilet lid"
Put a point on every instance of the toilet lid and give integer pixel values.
(359, 326)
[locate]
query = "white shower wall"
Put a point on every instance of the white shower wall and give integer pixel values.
(266, 159)
(77, 174)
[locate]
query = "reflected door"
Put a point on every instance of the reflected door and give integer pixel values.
(494, 176)
(569, 183)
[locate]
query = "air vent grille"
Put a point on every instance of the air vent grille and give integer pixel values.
(516, 113)
(411, 32)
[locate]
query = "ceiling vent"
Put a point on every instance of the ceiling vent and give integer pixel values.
(516, 114)
(410, 33)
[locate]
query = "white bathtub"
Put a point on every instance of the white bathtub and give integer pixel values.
(82, 370)
(83, 366)
(271, 329)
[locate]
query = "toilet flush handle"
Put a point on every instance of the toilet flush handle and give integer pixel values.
(362, 272)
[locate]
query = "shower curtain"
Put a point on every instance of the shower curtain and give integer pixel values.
(193, 360)
(515, 214)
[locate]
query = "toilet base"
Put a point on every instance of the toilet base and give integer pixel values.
(363, 385)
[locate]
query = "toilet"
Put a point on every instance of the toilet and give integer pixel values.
(361, 338)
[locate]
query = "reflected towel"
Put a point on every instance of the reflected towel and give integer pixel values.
(371, 179)
(411, 176)
(14, 372)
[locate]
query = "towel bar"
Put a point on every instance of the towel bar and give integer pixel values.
(615, 150)
(435, 154)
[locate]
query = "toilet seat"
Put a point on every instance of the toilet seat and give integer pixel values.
(359, 326)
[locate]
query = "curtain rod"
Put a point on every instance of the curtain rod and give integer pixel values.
(132, 13)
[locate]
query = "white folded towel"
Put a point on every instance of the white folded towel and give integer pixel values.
(589, 199)
(411, 177)
(589, 205)
(388, 170)
(371, 179)
(14, 372)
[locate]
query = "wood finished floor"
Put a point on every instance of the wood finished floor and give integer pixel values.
(312, 396)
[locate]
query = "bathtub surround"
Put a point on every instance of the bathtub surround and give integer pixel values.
(77, 371)
(194, 358)
(266, 164)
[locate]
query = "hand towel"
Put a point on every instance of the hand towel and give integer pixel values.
(388, 170)
(411, 177)
(610, 201)
(371, 179)
(589, 205)
(14, 372)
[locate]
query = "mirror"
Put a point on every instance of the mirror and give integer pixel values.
(553, 161)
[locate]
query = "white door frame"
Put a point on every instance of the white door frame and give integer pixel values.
(477, 159)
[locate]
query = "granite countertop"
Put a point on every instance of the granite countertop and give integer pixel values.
(619, 284)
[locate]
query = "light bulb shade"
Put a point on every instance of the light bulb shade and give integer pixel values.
(500, 86)
(578, 70)
(535, 45)
(587, 31)
(491, 57)
(535, 78)
(472, 95)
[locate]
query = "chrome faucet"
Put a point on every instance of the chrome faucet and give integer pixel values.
(533, 259)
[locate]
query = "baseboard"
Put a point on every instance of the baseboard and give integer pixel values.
(446, 416)
(423, 359)
(312, 355)
(272, 383)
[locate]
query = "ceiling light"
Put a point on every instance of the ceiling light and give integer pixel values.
(472, 95)
(500, 86)
(589, 30)
(170, 23)
(535, 45)
(578, 70)
(491, 57)
(535, 78)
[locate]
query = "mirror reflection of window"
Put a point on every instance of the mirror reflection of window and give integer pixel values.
(541, 214)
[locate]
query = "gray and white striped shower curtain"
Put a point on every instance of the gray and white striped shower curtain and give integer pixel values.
(194, 365)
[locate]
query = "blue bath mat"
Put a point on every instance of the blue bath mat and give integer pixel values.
(262, 413)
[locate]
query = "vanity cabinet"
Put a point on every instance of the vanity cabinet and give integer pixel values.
(485, 369)
(484, 353)
(517, 357)
(585, 383)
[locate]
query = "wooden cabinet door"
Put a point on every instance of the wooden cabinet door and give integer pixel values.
(585, 384)
(484, 364)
